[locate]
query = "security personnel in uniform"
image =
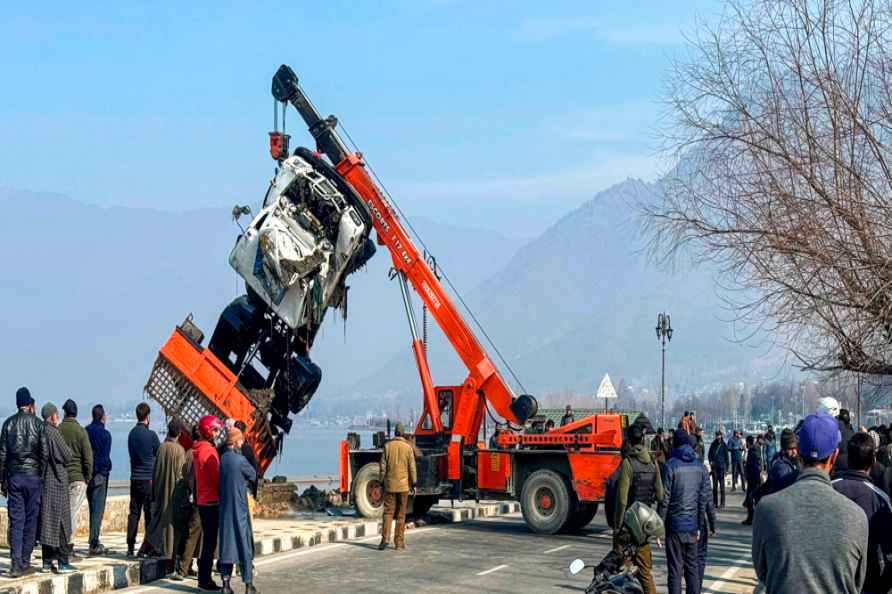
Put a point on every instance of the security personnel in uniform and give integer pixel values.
(398, 474)
(639, 480)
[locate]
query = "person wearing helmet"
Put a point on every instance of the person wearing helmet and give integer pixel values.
(829, 405)
(206, 464)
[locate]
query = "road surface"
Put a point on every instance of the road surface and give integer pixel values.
(489, 555)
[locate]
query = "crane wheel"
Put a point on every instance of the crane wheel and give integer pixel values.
(581, 516)
(368, 491)
(545, 502)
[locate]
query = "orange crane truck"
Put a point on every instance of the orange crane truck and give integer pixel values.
(558, 476)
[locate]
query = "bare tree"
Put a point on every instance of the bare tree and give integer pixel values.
(780, 121)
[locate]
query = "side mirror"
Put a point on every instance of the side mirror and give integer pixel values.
(576, 566)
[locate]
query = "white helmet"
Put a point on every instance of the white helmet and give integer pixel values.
(829, 405)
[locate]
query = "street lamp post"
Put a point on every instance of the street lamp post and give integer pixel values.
(664, 335)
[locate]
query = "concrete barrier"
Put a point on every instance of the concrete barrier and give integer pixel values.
(114, 520)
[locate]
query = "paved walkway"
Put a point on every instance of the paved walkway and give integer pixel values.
(729, 567)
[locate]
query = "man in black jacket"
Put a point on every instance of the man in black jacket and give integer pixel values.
(22, 455)
(719, 460)
(753, 472)
(855, 484)
(844, 419)
(142, 444)
(568, 416)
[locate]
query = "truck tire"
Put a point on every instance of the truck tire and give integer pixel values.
(545, 502)
(421, 504)
(581, 516)
(368, 491)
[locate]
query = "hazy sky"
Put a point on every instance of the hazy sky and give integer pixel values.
(494, 114)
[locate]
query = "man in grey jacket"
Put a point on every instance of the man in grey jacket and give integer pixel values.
(808, 538)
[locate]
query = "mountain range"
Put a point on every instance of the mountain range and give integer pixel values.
(91, 293)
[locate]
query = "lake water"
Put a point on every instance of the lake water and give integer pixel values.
(307, 451)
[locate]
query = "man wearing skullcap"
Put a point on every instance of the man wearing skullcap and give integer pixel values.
(80, 468)
(55, 501)
(236, 533)
(398, 472)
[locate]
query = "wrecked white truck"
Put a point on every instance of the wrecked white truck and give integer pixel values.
(311, 232)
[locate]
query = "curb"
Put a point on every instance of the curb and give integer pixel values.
(124, 574)
(113, 576)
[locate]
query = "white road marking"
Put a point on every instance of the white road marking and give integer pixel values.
(328, 547)
(496, 568)
(729, 573)
(556, 549)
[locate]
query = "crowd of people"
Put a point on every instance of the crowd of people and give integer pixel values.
(817, 497)
(192, 491)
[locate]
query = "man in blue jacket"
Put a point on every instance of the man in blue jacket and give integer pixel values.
(97, 488)
(736, 447)
(719, 460)
(855, 484)
(685, 504)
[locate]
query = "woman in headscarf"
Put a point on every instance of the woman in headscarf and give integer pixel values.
(236, 533)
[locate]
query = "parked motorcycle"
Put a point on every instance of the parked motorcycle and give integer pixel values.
(616, 574)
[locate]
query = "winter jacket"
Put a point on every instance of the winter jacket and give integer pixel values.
(736, 446)
(398, 466)
(206, 465)
(55, 501)
(80, 467)
(770, 450)
(143, 445)
(22, 446)
(783, 472)
(719, 458)
(687, 491)
(846, 432)
(810, 539)
(753, 468)
(857, 486)
(627, 479)
(100, 442)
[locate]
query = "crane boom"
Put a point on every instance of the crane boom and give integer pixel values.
(483, 377)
